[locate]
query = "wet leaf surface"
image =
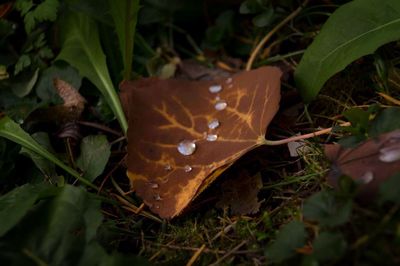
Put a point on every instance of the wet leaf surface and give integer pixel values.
(164, 113)
(369, 164)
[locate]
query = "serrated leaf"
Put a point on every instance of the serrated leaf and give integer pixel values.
(329, 246)
(95, 152)
(81, 48)
(12, 131)
(352, 31)
(327, 209)
(124, 14)
(291, 237)
(45, 11)
(182, 111)
(23, 62)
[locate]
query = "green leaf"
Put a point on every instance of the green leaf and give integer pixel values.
(95, 152)
(15, 204)
(81, 48)
(329, 246)
(327, 209)
(23, 62)
(60, 229)
(45, 166)
(264, 19)
(12, 131)
(25, 83)
(125, 14)
(389, 189)
(353, 30)
(292, 236)
(385, 121)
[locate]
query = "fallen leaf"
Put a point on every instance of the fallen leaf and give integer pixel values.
(369, 164)
(164, 113)
(240, 194)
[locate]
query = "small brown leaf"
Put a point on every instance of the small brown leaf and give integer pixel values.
(240, 194)
(164, 113)
(369, 164)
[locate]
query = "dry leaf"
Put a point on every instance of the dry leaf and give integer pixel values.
(240, 194)
(165, 113)
(369, 164)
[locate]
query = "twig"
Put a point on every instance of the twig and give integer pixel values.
(217, 262)
(196, 255)
(271, 33)
(101, 127)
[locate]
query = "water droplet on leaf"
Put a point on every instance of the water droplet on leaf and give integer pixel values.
(366, 178)
(168, 167)
(157, 197)
(187, 168)
(389, 154)
(154, 185)
(220, 105)
(215, 88)
(186, 147)
(228, 80)
(213, 124)
(212, 137)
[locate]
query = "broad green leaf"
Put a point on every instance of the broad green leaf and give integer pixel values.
(387, 120)
(292, 236)
(327, 209)
(354, 30)
(389, 189)
(15, 204)
(81, 48)
(124, 14)
(265, 18)
(95, 152)
(329, 246)
(12, 131)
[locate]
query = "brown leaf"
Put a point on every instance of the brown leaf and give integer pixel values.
(163, 113)
(369, 164)
(240, 194)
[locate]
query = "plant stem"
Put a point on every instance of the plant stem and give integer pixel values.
(271, 33)
(301, 137)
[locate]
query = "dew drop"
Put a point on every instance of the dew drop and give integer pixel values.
(186, 147)
(220, 105)
(230, 86)
(217, 98)
(213, 124)
(215, 88)
(157, 197)
(389, 154)
(167, 167)
(157, 206)
(212, 137)
(366, 178)
(228, 80)
(187, 168)
(154, 185)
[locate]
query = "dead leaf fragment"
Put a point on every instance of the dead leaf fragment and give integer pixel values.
(163, 113)
(240, 194)
(369, 164)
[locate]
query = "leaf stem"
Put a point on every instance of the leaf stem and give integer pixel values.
(271, 33)
(301, 137)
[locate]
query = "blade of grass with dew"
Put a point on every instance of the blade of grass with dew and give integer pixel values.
(12, 131)
(81, 48)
